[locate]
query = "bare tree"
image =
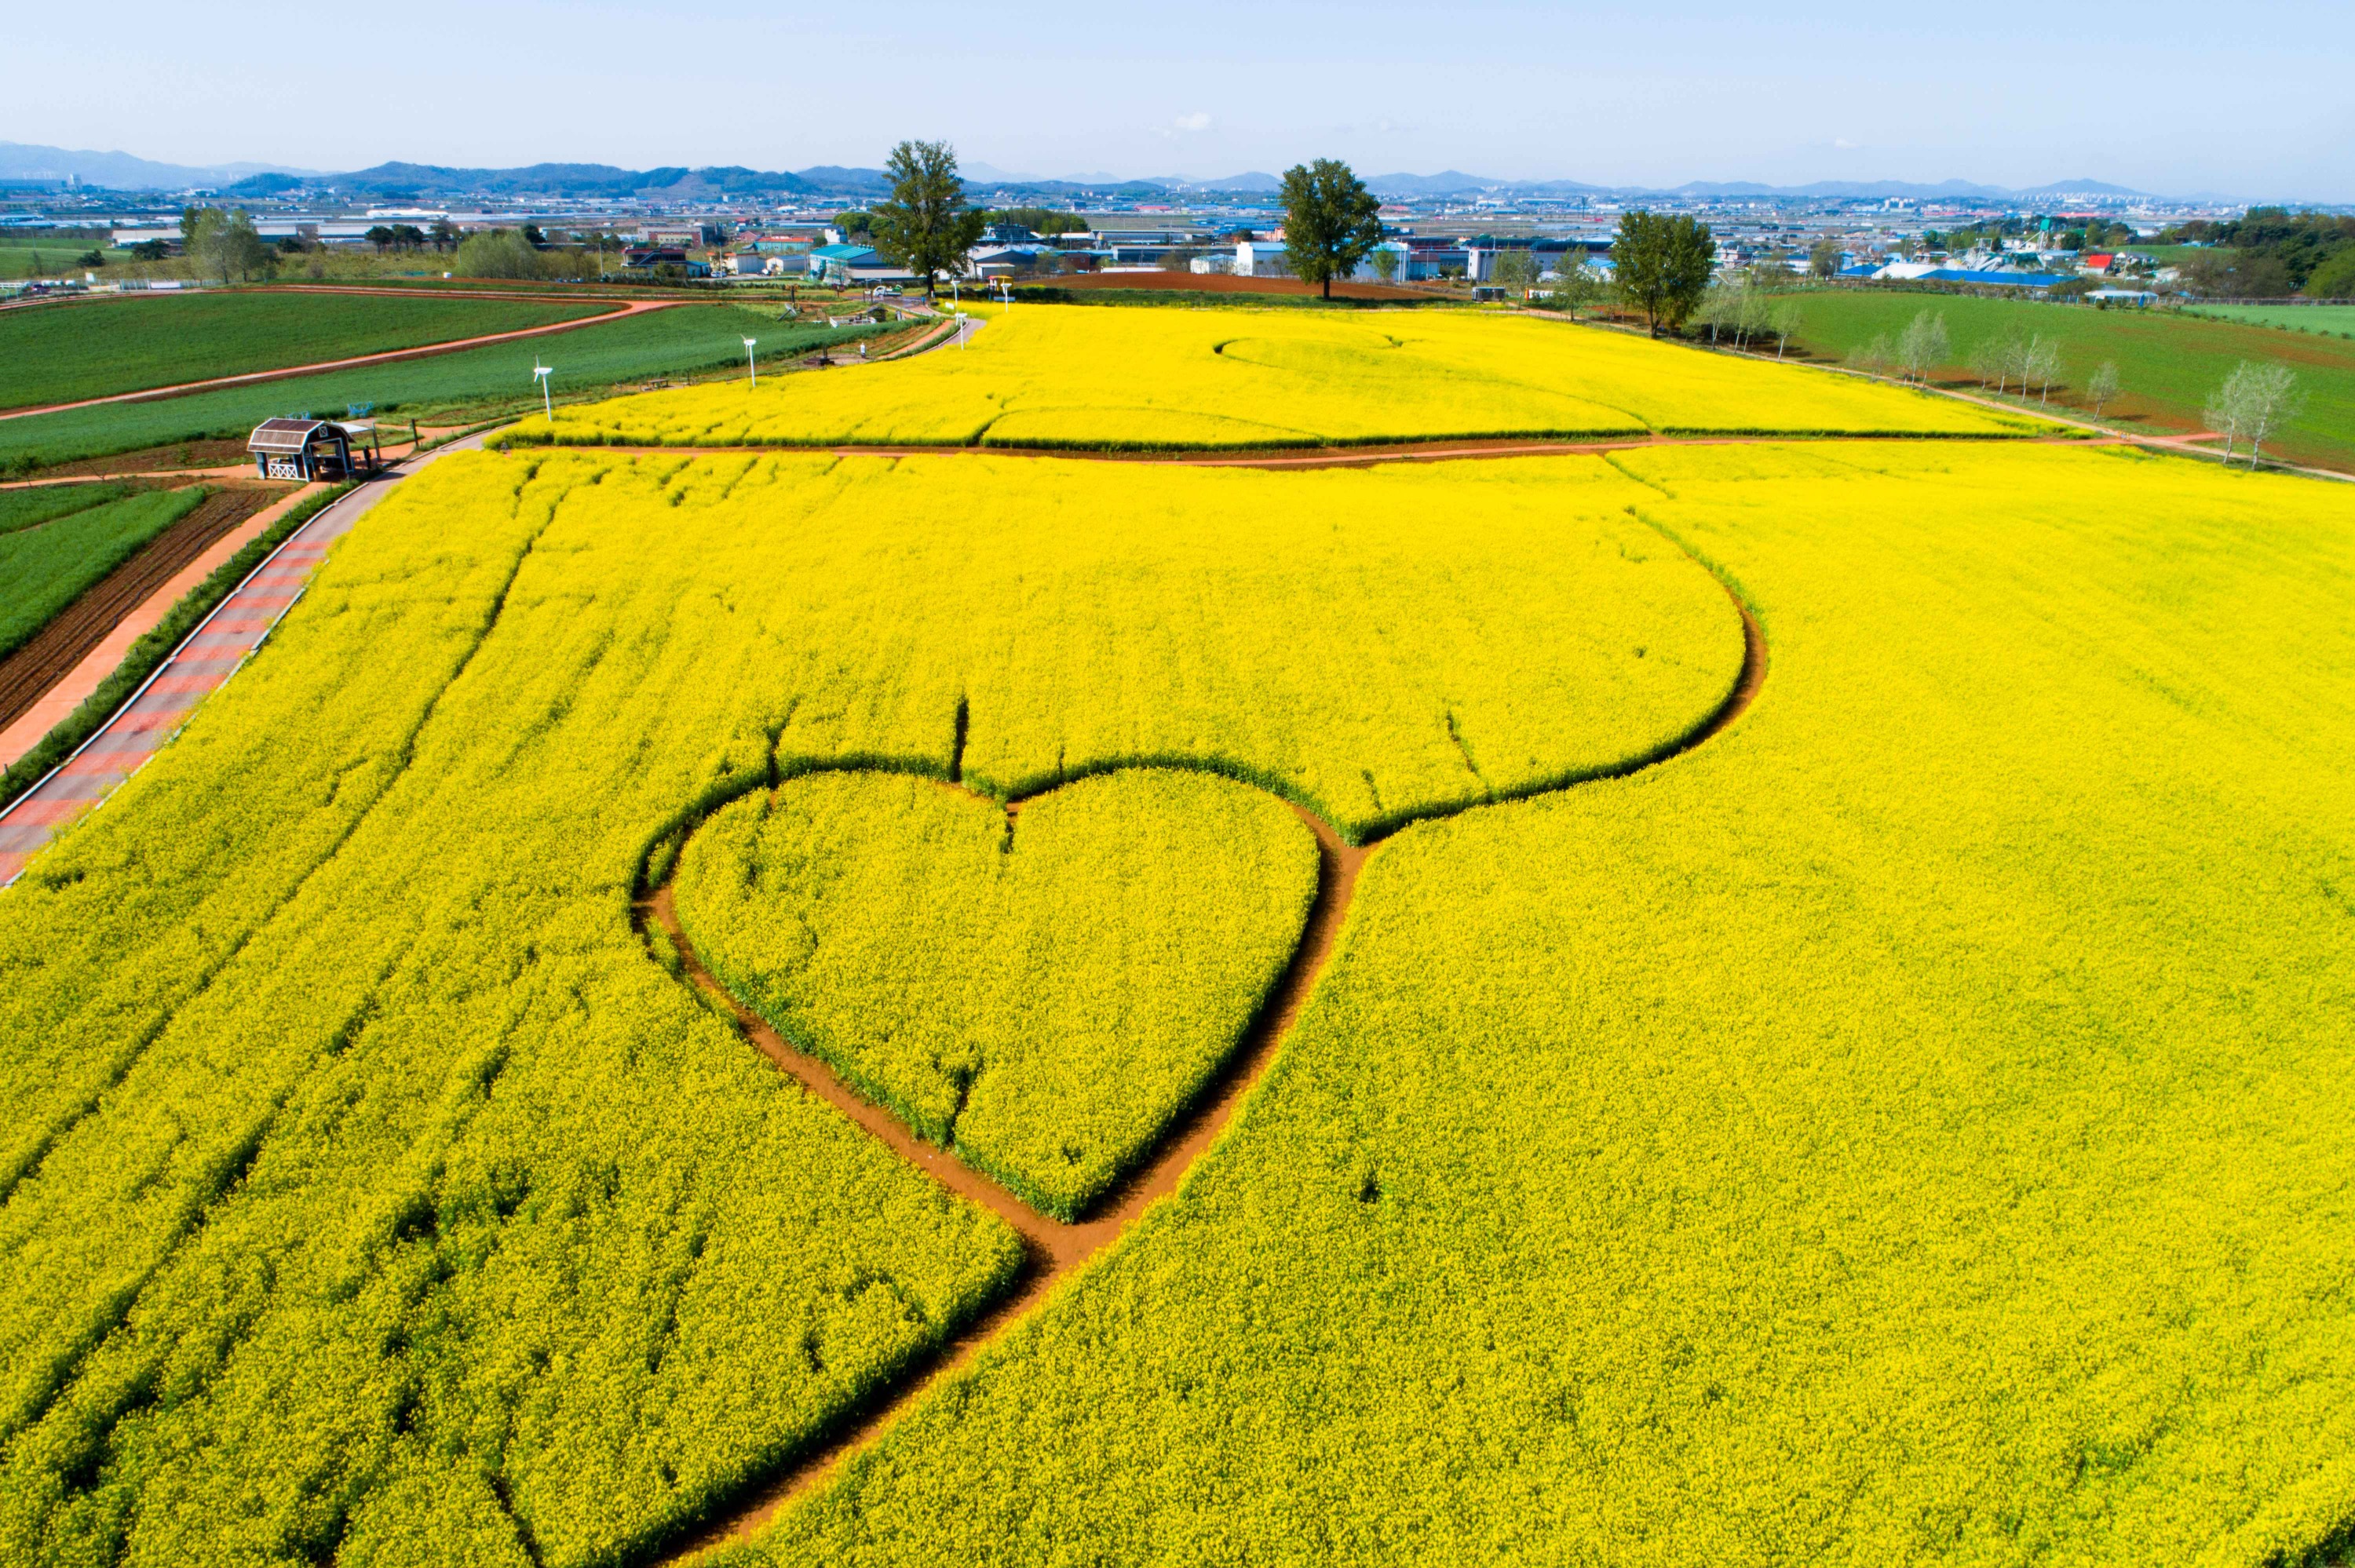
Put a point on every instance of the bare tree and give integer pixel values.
(2254, 401)
(1922, 346)
(1872, 357)
(1987, 361)
(2102, 385)
(1715, 307)
(1757, 308)
(2041, 364)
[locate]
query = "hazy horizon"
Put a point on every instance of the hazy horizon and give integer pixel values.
(1619, 94)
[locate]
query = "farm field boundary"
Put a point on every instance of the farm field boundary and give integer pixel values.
(1053, 1248)
(2182, 442)
(389, 357)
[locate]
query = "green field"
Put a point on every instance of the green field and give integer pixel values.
(2169, 363)
(44, 567)
(23, 508)
(2334, 320)
(70, 350)
(498, 375)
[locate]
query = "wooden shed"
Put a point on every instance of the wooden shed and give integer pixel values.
(314, 448)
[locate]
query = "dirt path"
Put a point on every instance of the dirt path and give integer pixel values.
(1441, 450)
(632, 308)
(1052, 1249)
(57, 647)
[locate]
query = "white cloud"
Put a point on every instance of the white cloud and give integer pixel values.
(1198, 120)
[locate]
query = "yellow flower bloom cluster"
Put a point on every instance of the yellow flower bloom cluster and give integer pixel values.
(1040, 995)
(1911, 1128)
(371, 1189)
(1076, 376)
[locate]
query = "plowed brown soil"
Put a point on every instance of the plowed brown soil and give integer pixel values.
(218, 453)
(57, 647)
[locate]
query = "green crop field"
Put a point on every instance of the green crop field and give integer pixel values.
(1873, 1094)
(46, 566)
(660, 342)
(2333, 320)
(2169, 363)
(23, 508)
(70, 350)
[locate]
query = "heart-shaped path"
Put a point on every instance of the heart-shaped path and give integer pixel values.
(1056, 1248)
(1040, 1001)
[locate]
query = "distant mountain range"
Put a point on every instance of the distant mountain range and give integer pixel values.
(20, 163)
(23, 165)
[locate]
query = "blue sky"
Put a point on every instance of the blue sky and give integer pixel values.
(2252, 99)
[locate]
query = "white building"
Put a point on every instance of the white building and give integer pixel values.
(1262, 259)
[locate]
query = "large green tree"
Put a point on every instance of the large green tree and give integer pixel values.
(223, 244)
(926, 225)
(1663, 265)
(1330, 221)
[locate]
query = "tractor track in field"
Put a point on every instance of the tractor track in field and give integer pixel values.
(1052, 1249)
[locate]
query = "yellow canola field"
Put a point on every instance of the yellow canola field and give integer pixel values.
(1040, 995)
(372, 1192)
(1096, 376)
(1910, 1129)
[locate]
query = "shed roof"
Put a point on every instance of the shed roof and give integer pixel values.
(283, 435)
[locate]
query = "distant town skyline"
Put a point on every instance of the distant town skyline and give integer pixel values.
(2174, 100)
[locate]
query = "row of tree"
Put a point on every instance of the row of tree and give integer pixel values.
(2254, 402)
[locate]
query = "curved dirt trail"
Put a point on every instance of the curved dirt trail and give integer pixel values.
(1052, 1249)
(1443, 450)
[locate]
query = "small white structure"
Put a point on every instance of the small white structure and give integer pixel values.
(1262, 259)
